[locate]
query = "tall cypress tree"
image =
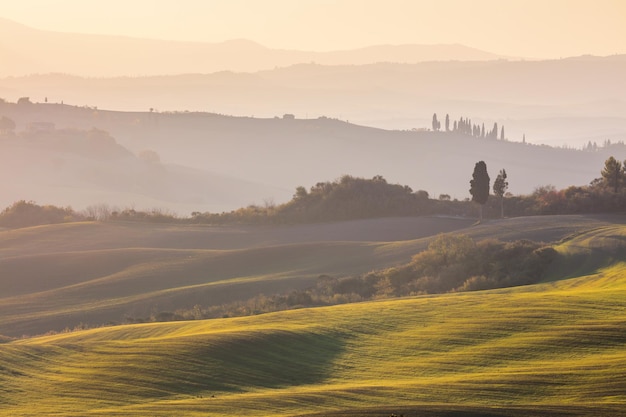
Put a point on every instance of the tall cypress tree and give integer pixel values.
(436, 124)
(500, 185)
(479, 185)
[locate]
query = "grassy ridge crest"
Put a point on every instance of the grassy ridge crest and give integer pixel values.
(92, 273)
(555, 348)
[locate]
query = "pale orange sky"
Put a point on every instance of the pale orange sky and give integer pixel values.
(523, 28)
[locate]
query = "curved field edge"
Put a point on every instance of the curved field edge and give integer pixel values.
(550, 349)
(586, 252)
(63, 276)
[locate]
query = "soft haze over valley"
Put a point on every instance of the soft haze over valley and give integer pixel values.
(213, 126)
(312, 208)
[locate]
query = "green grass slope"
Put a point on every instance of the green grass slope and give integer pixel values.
(166, 279)
(587, 252)
(62, 275)
(53, 277)
(552, 349)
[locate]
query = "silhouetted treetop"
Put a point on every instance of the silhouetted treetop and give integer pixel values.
(612, 173)
(27, 213)
(436, 123)
(500, 185)
(479, 185)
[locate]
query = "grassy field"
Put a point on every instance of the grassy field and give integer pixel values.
(92, 273)
(59, 276)
(552, 349)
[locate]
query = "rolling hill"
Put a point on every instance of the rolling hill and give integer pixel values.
(66, 275)
(530, 98)
(211, 162)
(110, 271)
(552, 349)
(82, 168)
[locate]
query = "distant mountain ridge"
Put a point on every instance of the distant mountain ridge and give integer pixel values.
(33, 51)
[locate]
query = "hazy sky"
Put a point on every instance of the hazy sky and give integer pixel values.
(528, 28)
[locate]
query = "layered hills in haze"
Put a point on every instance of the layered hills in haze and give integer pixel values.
(33, 51)
(235, 123)
(417, 314)
(207, 162)
(534, 99)
(556, 102)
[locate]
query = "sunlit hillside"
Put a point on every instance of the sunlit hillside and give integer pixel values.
(272, 208)
(61, 276)
(93, 273)
(544, 350)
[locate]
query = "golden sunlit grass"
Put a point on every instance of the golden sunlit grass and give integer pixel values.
(546, 349)
(110, 283)
(63, 275)
(59, 276)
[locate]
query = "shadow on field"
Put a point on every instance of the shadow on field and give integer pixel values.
(252, 360)
(588, 252)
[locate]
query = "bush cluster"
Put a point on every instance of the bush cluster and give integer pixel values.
(452, 263)
(27, 213)
(344, 199)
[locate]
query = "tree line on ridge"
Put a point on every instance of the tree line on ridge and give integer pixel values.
(357, 198)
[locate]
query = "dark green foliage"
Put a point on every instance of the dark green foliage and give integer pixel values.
(351, 198)
(500, 185)
(436, 123)
(27, 213)
(479, 184)
(612, 174)
(595, 198)
(300, 193)
(153, 216)
(345, 199)
(456, 263)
